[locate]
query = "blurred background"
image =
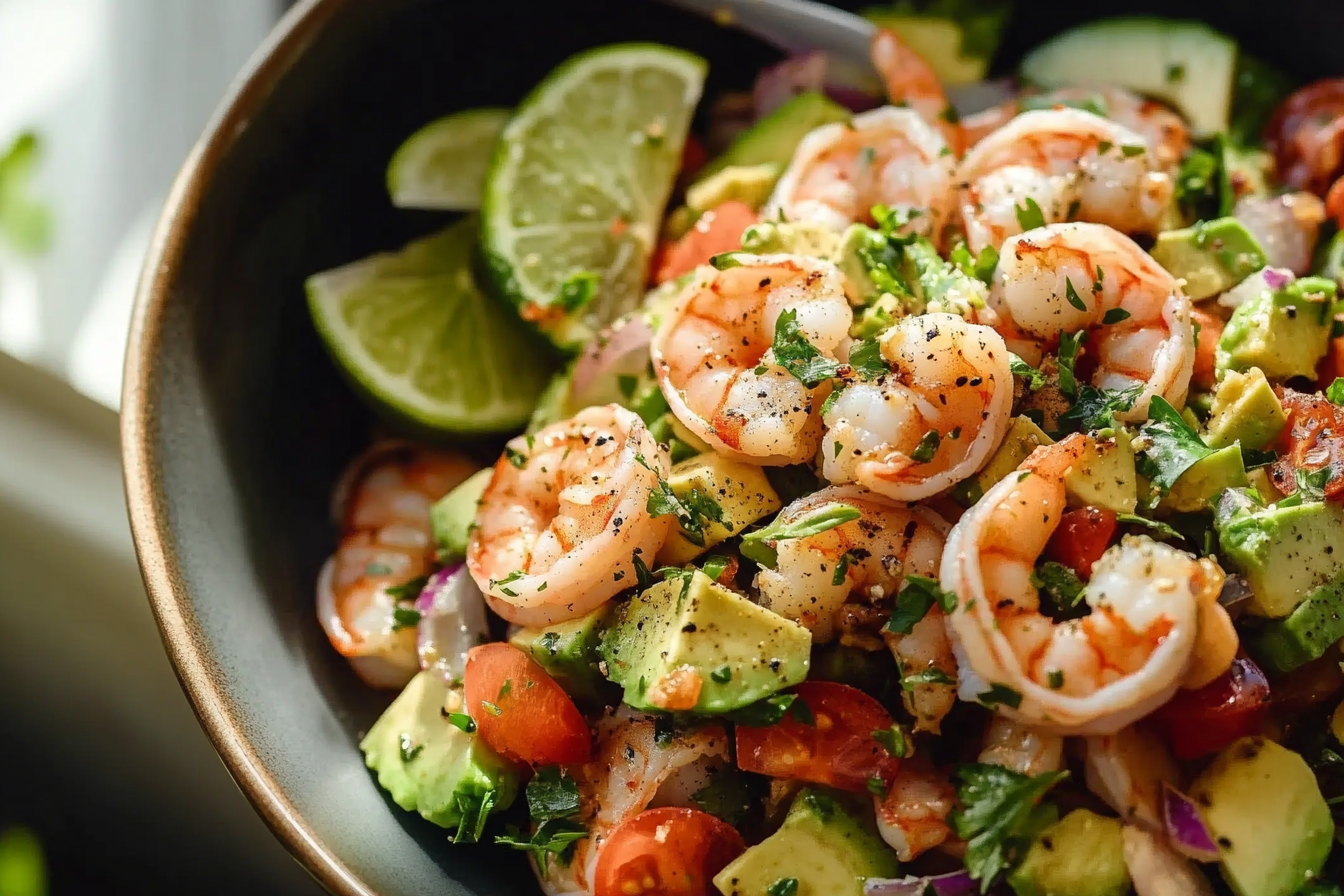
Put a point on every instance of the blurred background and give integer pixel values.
(106, 781)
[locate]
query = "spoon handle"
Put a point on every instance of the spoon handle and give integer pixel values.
(793, 25)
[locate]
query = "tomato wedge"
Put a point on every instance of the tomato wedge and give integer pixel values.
(1210, 330)
(666, 852)
(1082, 537)
(837, 749)
(1205, 720)
(718, 230)
(1312, 441)
(520, 711)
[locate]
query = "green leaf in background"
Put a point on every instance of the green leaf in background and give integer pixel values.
(23, 871)
(25, 223)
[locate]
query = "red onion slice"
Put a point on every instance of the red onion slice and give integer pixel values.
(957, 883)
(452, 621)
(1254, 285)
(813, 72)
(1285, 226)
(1189, 835)
(621, 349)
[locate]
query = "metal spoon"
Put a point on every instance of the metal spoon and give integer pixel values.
(793, 25)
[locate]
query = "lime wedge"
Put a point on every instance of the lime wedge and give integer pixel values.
(422, 342)
(580, 178)
(442, 165)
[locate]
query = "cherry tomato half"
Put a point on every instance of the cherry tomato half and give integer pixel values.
(1082, 537)
(666, 852)
(520, 711)
(718, 230)
(693, 156)
(1205, 720)
(1313, 440)
(1306, 136)
(837, 749)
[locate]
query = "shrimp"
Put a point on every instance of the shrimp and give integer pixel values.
(627, 775)
(1026, 750)
(1127, 770)
(1069, 277)
(1086, 676)
(1158, 870)
(932, 420)
(913, 816)
(564, 517)
(886, 543)
(885, 157)
(383, 504)
(911, 81)
(1071, 165)
(926, 647)
(715, 362)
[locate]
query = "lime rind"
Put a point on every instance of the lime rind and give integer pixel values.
(442, 166)
(580, 180)
(422, 342)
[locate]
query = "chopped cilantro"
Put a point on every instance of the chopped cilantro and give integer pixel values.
(1115, 316)
(515, 457)
(866, 359)
(841, 569)
(1035, 379)
(510, 578)
(999, 695)
(822, 519)
(552, 794)
(1171, 446)
(404, 617)
(643, 578)
(1072, 295)
(1130, 150)
(1162, 529)
(555, 837)
(578, 289)
(927, 447)
(785, 886)
(1029, 215)
(1055, 678)
(408, 747)
(1311, 483)
(1096, 408)
(1060, 586)
(1104, 146)
(1069, 346)
(763, 713)
(894, 740)
(917, 595)
(463, 721)
(408, 590)
(799, 357)
(725, 260)
(1000, 815)
(692, 510)
(1335, 391)
(723, 674)
(473, 810)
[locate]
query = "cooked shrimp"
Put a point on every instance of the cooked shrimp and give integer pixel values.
(625, 776)
(926, 647)
(912, 817)
(885, 157)
(1158, 870)
(383, 504)
(1093, 675)
(911, 81)
(1011, 744)
(565, 515)
(932, 420)
(1072, 165)
(715, 363)
(1127, 770)
(1069, 277)
(886, 543)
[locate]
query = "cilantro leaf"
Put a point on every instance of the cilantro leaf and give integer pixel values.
(1115, 316)
(999, 695)
(894, 740)
(927, 447)
(917, 595)
(552, 794)
(1162, 529)
(822, 519)
(1035, 379)
(1029, 215)
(1060, 586)
(1172, 446)
(866, 359)
(1096, 408)
(1069, 346)
(763, 713)
(577, 290)
(1311, 483)
(404, 617)
(981, 267)
(473, 812)
(1072, 296)
(556, 836)
(408, 590)
(1335, 391)
(692, 510)
(1001, 813)
(803, 360)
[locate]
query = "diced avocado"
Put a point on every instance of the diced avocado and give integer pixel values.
(1206, 478)
(1285, 552)
(828, 843)
(750, 184)
(1264, 809)
(1305, 634)
(452, 516)
(1260, 480)
(1187, 64)
(941, 286)
(1082, 854)
(1246, 410)
(1023, 437)
(958, 52)
(568, 653)
(1284, 332)
(791, 237)
(772, 139)
(688, 644)
(741, 491)
(878, 317)
(1105, 476)
(431, 766)
(666, 429)
(1211, 257)
(848, 257)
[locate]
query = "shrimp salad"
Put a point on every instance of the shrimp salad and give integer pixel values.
(959, 508)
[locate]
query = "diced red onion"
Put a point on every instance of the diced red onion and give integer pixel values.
(957, 883)
(1254, 285)
(621, 349)
(1285, 227)
(1188, 833)
(807, 72)
(452, 621)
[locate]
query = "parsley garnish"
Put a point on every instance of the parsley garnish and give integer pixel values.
(723, 674)
(556, 837)
(407, 590)
(1115, 316)
(1035, 379)
(1096, 408)
(404, 617)
(510, 578)
(553, 802)
(1104, 146)
(1311, 483)
(1055, 677)
(1029, 215)
(1060, 585)
(841, 568)
(999, 695)
(1172, 446)
(1160, 528)
(1130, 150)
(725, 260)
(927, 447)
(1000, 816)
(463, 721)
(1072, 295)
(917, 595)
(1335, 391)
(552, 794)
(866, 359)
(894, 740)
(814, 522)
(409, 748)
(803, 360)
(981, 267)
(1069, 346)
(515, 457)
(578, 289)
(643, 578)
(473, 810)
(763, 713)
(691, 510)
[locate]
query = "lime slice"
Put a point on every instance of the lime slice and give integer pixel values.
(580, 178)
(422, 342)
(442, 165)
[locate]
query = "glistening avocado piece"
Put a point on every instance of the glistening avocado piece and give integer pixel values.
(1246, 410)
(1262, 804)
(1305, 634)
(1082, 854)
(1211, 257)
(1285, 552)
(742, 494)
(452, 516)
(431, 766)
(828, 843)
(772, 139)
(688, 644)
(1205, 480)
(1104, 475)
(1023, 437)
(568, 652)
(1284, 332)
(750, 184)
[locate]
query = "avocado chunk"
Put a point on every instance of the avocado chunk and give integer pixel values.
(1082, 854)
(1205, 480)
(452, 516)
(1262, 804)
(773, 139)
(689, 644)
(429, 765)
(856, 242)
(741, 491)
(1211, 257)
(792, 238)
(1284, 332)
(749, 184)
(568, 653)
(1285, 551)
(1246, 410)
(1022, 438)
(828, 843)
(1105, 476)
(1305, 634)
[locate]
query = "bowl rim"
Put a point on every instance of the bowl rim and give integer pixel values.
(293, 33)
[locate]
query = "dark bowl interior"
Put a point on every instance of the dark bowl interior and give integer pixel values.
(237, 424)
